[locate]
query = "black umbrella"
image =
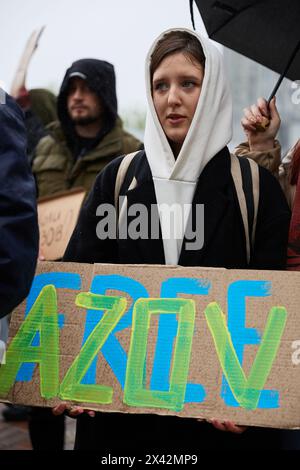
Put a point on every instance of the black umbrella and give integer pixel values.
(267, 31)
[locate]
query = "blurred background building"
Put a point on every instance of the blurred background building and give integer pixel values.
(250, 80)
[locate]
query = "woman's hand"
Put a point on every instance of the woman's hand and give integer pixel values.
(41, 256)
(228, 426)
(254, 116)
(72, 411)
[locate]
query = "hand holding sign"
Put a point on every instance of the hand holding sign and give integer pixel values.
(228, 426)
(72, 411)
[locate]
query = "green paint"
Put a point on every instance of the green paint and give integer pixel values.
(246, 391)
(71, 388)
(41, 319)
(135, 393)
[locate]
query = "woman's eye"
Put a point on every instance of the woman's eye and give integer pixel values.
(161, 86)
(188, 84)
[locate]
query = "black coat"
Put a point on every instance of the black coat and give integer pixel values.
(224, 238)
(19, 236)
(224, 246)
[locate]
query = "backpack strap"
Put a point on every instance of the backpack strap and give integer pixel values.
(123, 175)
(122, 171)
(245, 174)
(255, 186)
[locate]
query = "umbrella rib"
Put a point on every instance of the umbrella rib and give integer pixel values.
(192, 14)
(233, 12)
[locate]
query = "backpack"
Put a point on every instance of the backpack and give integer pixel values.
(245, 175)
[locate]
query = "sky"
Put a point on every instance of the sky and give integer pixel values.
(119, 31)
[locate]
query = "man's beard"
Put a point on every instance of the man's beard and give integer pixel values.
(84, 121)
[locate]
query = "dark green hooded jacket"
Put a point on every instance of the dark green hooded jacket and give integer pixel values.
(61, 162)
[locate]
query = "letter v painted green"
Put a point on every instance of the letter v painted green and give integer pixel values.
(246, 391)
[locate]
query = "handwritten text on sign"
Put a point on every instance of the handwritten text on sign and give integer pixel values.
(57, 219)
(188, 341)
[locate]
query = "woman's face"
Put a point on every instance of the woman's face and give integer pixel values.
(176, 87)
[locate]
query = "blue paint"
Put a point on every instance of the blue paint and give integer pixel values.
(61, 320)
(166, 335)
(112, 350)
(241, 335)
(195, 393)
(61, 323)
(60, 281)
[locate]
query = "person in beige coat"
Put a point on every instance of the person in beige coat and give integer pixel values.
(262, 147)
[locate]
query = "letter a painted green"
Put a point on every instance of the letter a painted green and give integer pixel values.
(71, 388)
(246, 391)
(135, 393)
(41, 319)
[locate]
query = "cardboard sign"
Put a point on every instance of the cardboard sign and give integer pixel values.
(57, 219)
(20, 75)
(190, 342)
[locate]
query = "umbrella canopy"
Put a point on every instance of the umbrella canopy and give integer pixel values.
(267, 31)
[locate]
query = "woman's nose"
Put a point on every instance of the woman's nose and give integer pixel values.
(174, 95)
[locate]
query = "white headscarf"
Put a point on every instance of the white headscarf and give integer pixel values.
(211, 129)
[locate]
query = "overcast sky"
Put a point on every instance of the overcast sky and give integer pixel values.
(119, 31)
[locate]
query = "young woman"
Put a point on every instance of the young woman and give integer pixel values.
(185, 162)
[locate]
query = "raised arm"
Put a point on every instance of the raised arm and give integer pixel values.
(261, 145)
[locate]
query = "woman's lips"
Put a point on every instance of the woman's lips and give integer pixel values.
(175, 118)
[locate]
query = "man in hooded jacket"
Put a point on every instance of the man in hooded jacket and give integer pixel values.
(89, 133)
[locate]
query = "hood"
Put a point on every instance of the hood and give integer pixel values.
(43, 104)
(100, 77)
(210, 131)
